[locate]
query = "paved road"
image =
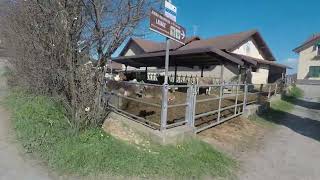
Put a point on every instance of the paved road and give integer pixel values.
(292, 152)
(13, 164)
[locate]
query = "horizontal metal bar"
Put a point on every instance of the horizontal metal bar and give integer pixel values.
(215, 111)
(136, 100)
(137, 117)
(229, 107)
(205, 100)
(205, 114)
(177, 105)
(231, 95)
(251, 102)
(208, 85)
(216, 123)
(140, 84)
(175, 124)
(251, 93)
(234, 85)
(179, 86)
(216, 98)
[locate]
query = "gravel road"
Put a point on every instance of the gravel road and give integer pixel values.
(292, 152)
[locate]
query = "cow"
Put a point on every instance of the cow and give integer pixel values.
(156, 92)
(205, 81)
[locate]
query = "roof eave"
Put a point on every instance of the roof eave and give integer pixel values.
(181, 53)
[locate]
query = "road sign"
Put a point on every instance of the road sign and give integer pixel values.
(170, 11)
(166, 27)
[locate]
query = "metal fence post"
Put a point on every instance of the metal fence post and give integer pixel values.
(164, 107)
(260, 94)
(220, 100)
(236, 103)
(269, 91)
(191, 106)
(245, 93)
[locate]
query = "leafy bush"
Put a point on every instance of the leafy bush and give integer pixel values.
(295, 92)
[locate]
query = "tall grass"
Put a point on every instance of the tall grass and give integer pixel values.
(43, 130)
(280, 108)
(295, 92)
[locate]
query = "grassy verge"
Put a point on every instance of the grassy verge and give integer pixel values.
(4, 71)
(43, 130)
(279, 108)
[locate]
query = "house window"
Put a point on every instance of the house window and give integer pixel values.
(314, 71)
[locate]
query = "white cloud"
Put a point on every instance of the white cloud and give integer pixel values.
(291, 61)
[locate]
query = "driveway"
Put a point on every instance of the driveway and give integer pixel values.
(292, 152)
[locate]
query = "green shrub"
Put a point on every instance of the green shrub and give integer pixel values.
(295, 92)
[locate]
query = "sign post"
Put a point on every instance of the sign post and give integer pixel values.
(167, 27)
(164, 107)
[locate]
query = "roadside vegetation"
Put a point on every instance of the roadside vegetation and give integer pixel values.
(41, 126)
(279, 108)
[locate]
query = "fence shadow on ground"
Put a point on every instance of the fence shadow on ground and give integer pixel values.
(307, 104)
(304, 126)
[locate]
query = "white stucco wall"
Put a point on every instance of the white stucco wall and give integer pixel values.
(211, 71)
(261, 76)
(306, 59)
(249, 49)
(133, 49)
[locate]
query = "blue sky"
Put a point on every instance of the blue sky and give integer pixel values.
(284, 24)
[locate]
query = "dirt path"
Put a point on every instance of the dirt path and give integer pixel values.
(292, 152)
(13, 164)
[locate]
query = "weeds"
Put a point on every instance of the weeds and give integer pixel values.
(43, 130)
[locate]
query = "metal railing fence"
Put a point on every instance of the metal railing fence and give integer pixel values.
(198, 106)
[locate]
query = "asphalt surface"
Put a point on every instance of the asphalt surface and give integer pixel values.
(292, 152)
(14, 164)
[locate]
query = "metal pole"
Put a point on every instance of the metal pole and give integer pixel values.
(237, 90)
(167, 61)
(190, 108)
(164, 106)
(194, 105)
(175, 74)
(221, 73)
(110, 63)
(146, 74)
(221, 91)
(245, 96)
(260, 94)
(202, 68)
(269, 92)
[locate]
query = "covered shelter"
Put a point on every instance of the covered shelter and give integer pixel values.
(207, 56)
(201, 57)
